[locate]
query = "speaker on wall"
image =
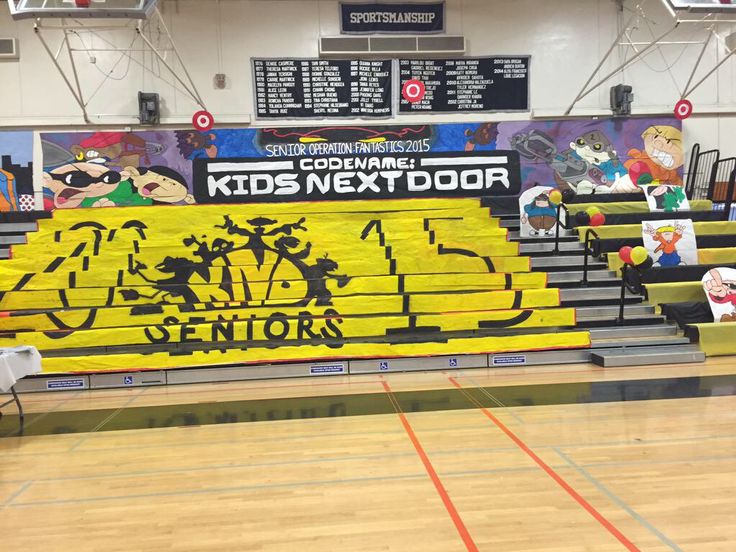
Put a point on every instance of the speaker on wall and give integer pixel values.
(148, 108)
(621, 98)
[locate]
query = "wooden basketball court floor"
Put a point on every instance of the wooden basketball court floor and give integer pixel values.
(562, 458)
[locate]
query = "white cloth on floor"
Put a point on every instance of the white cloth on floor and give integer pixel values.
(17, 362)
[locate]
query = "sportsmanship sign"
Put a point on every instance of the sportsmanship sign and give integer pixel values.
(392, 18)
(255, 180)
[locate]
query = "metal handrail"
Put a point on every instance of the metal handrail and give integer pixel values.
(587, 250)
(560, 207)
(624, 286)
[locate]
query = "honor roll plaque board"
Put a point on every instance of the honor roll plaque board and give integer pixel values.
(319, 88)
(468, 84)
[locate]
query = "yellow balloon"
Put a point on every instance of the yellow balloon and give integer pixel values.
(555, 196)
(592, 210)
(639, 254)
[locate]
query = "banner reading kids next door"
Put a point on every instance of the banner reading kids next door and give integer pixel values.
(107, 169)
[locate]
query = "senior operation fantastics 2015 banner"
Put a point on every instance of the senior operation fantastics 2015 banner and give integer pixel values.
(106, 169)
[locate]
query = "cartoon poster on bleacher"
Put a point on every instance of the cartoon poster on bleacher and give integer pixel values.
(670, 242)
(720, 288)
(538, 213)
(666, 198)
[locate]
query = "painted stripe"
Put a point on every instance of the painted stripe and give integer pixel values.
(453, 161)
(549, 471)
(629, 510)
(449, 506)
(256, 166)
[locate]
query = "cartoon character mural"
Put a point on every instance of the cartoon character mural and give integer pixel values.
(537, 213)
(113, 169)
(587, 156)
(660, 159)
(16, 171)
(115, 149)
(94, 185)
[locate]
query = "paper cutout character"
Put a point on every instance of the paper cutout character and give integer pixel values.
(667, 237)
(666, 198)
(720, 287)
(541, 215)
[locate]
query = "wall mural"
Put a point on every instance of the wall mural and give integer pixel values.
(16, 171)
(105, 169)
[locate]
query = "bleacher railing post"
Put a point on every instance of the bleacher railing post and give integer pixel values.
(729, 196)
(622, 300)
(586, 251)
(560, 207)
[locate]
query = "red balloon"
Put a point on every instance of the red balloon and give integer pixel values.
(625, 254)
(599, 219)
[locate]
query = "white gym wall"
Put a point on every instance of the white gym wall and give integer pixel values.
(566, 39)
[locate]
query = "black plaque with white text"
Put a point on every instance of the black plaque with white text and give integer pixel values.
(320, 88)
(468, 84)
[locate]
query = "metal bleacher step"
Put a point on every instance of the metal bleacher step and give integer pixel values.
(18, 227)
(513, 235)
(548, 246)
(576, 276)
(510, 222)
(617, 332)
(564, 262)
(4, 253)
(644, 356)
(12, 239)
(611, 311)
(639, 341)
(595, 295)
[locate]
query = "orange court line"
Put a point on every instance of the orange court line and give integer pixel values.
(449, 506)
(552, 473)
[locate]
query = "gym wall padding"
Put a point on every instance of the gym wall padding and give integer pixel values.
(146, 287)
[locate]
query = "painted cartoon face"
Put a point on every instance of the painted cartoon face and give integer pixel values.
(668, 235)
(594, 147)
(665, 152)
(159, 184)
(75, 182)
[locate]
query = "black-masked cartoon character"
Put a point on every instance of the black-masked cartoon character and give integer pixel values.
(89, 185)
(159, 184)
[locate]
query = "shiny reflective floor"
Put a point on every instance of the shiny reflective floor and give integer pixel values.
(561, 458)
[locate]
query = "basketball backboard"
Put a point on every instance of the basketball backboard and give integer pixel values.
(702, 6)
(103, 9)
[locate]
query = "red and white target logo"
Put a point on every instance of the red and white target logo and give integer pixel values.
(413, 90)
(683, 109)
(203, 120)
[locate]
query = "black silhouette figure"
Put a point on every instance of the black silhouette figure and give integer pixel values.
(284, 245)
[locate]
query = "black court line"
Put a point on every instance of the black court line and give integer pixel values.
(295, 408)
